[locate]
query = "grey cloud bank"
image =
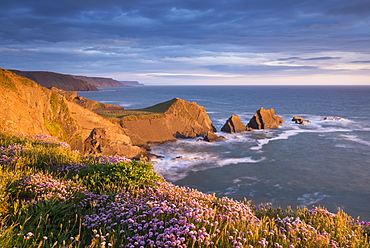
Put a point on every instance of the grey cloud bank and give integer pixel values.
(191, 42)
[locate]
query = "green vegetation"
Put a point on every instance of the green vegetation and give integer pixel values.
(51, 196)
(153, 112)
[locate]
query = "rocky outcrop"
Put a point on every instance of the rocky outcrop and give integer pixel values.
(212, 137)
(233, 125)
(32, 109)
(167, 121)
(60, 81)
(265, 119)
(101, 141)
(300, 120)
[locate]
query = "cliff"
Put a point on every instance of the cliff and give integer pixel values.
(60, 81)
(107, 82)
(32, 109)
(131, 83)
(163, 122)
(100, 81)
(93, 127)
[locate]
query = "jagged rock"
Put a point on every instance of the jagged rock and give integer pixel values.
(300, 120)
(167, 121)
(265, 119)
(233, 125)
(101, 142)
(212, 137)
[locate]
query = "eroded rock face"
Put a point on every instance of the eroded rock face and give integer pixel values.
(234, 125)
(101, 142)
(178, 119)
(265, 119)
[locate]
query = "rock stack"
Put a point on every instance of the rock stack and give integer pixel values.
(265, 119)
(233, 125)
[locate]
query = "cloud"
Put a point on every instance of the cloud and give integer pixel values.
(302, 59)
(361, 62)
(185, 38)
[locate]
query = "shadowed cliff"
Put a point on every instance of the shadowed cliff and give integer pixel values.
(60, 81)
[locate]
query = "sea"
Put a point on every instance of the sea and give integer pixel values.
(324, 163)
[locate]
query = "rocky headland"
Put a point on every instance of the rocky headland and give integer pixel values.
(32, 109)
(93, 127)
(163, 122)
(107, 82)
(73, 83)
(60, 81)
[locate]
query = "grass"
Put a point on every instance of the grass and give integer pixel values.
(51, 196)
(153, 112)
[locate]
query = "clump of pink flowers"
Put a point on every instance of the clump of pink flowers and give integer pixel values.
(45, 187)
(11, 153)
(165, 216)
(112, 159)
(74, 167)
(47, 139)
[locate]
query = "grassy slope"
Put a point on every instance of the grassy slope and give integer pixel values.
(155, 111)
(53, 197)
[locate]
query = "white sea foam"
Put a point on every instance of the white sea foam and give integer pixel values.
(355, 138)
(228, 161)
(174, 167)
(246, 180)
(311, 198)
(295, 131)
(125, 104)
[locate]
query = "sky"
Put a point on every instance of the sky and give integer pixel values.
(191, 42)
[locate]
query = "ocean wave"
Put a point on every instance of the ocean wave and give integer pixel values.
(125, 104)
(295, 131)
(354, 138)
(175, 166)
(311, 198)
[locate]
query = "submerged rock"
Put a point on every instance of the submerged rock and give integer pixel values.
(234, 125)
(265, 119)
(335, 118)
(300, 120)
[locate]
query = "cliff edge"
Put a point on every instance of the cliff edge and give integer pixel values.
(27, 107)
